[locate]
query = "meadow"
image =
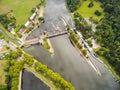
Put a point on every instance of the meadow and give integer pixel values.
(87, 12)
(21, 8)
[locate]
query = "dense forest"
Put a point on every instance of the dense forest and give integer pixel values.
(108, 31)
(73, 4)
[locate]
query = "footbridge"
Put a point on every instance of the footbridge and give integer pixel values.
(33, 41)
(57, 34)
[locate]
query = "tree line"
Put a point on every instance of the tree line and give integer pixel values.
(74, 38)
(108, 33)
(14, 67)
(73, 4)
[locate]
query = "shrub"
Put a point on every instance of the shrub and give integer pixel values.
(91, 4)
(46, 45)
(74, 37)
(90, 43)
(28, 59)
(79, 46)
(84, 51)
(98, 13)
(33, 10)
(40, 18)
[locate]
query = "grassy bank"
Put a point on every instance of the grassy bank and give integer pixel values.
(21, 8)
(47, 45)
(87, 12)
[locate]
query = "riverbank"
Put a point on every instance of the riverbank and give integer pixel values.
(116, 77)
(47, 44)
(36, 23)
(74, 44)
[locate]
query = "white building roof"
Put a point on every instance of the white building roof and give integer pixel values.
(27, 23)
(33, 15)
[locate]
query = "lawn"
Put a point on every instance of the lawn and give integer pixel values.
(21, 8)
(87, 12)
(3, 63)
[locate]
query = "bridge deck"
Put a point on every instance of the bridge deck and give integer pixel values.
(37, 40)
(57, 34)
(32, 41)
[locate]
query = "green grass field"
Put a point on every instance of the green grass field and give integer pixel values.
(21, 8)
(87, 12)
(3, 63)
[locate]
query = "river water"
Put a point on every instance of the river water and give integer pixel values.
(33, 82)
(67, 61)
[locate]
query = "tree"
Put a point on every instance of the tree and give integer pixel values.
(41, 19)
(108, 8)
(33, 10)
(98, 13)
(84, 51)
(91, 4)
(12, 62)
(29, 59)
(73, 4)
(74, 37)
(79, 46)
(89, 43)
(13, 55)
(99, 52)
(19, 51)
(54, 77)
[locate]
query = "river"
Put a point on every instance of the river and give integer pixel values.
(33, 82)
(67, 61)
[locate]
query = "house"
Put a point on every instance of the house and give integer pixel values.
(11, 30)
(27, 23)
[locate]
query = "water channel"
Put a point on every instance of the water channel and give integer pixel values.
(67, 61)
(33, 82)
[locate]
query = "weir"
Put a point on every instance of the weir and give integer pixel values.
(39, 40)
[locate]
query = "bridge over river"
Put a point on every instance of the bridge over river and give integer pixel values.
(67, 61)
(39, 38)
